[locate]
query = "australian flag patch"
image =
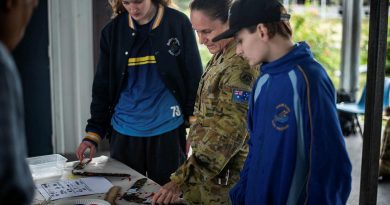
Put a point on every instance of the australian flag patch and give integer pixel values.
(240, 96)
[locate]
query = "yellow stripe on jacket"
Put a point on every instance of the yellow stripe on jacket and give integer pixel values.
(141, 60)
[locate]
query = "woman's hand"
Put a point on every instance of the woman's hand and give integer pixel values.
(168, 194)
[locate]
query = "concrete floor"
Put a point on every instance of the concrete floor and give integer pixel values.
(355, 146)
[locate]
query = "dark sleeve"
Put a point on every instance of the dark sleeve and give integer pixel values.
(16, 182)
(192, 65)
(100, 110)
(330, 167)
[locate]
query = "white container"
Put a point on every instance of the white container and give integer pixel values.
(46, 166)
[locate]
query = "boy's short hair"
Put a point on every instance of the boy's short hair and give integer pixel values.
(248, 13)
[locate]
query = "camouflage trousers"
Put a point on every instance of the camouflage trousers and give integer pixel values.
(208, 194)
(384, 165)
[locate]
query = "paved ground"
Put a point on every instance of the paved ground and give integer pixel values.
(354, 146)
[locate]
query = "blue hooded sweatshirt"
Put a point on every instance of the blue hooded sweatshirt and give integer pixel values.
(297, 153)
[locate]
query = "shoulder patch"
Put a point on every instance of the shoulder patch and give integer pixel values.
(246, 78)
(240, 96)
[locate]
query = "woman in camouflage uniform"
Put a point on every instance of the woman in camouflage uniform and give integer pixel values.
(218, 136)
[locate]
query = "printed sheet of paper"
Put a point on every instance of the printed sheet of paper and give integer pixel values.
(71, 188)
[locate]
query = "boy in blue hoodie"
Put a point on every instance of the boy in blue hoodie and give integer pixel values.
(297, 153)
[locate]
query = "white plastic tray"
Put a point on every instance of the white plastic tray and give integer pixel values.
(46, 166)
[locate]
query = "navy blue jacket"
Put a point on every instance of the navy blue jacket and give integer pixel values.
(177, 56)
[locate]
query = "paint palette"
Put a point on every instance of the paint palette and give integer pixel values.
(83, 202)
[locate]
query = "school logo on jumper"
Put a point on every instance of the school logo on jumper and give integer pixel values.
(280, 119)
(174, 46)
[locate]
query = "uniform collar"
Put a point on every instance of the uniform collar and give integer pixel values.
(227, 53)
(157, 18)
(230, 50)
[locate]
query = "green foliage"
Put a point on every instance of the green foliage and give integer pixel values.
(204, 54)
(364, 45)
(323, 37)
(364, 42)
(182, 4)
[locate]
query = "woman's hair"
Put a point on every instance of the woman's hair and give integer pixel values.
(117, 7)
(215, 9)
(282, 28)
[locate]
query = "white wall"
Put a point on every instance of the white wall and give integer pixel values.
(71, 59)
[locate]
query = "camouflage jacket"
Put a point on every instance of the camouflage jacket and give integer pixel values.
(219, 134)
